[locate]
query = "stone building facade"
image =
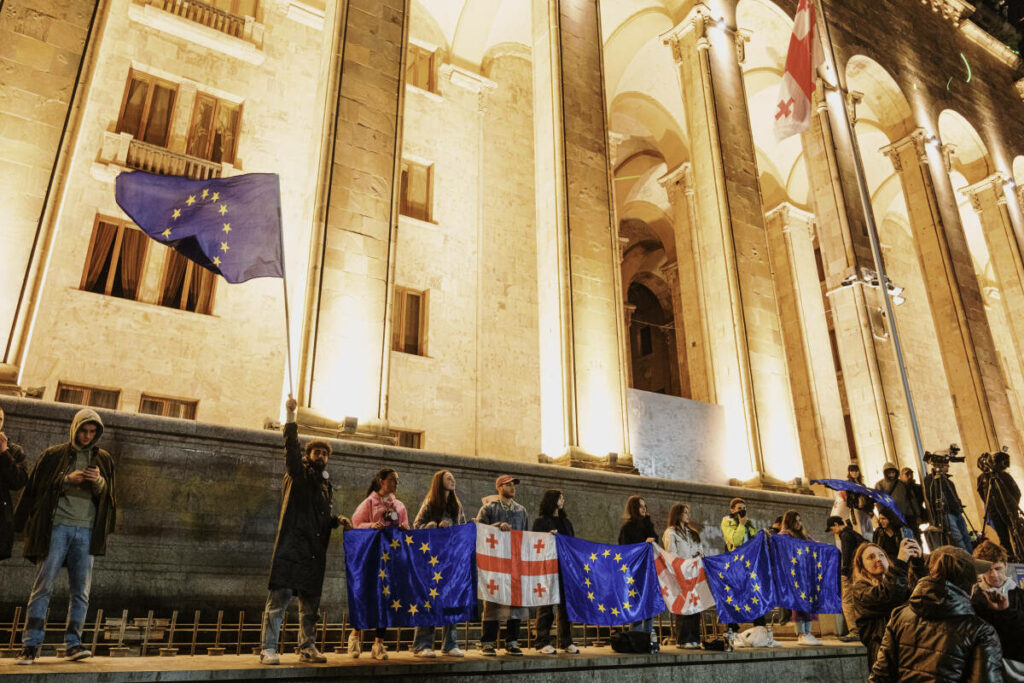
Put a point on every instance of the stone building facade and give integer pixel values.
(516, 227)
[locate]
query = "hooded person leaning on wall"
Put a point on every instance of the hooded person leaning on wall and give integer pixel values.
(67, 512)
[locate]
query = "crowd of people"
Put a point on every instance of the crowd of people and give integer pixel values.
(949, 615)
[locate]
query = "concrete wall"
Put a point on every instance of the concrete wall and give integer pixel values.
(198, 505)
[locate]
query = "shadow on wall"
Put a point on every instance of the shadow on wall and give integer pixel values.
(677, 438)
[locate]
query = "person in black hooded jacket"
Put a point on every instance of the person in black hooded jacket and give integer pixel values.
(937, 636)
(13, 475)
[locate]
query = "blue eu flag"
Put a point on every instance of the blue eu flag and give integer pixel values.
(608, 584)
(423, 577)
(231, 226)
(741, 581)
(880, 497)
(806, 575)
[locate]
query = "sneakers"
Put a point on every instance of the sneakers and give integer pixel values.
(572, 650)
(851, 637)
(76, 653)
(548, 650)
(269, 657)
(690, 646)
(379, 651)
(311, 655)
(455, 652)
(807, 639)
(427, 654)
(512, 648)
(355, 645)
(28, 655)
(487, 650)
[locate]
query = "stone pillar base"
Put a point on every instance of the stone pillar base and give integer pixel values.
(577, 457)
(766, 482)
(312, 423)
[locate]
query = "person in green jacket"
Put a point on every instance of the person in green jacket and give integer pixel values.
(737, 529)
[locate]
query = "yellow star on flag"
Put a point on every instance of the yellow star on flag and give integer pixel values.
(593, 557)
(385, 590)
(205, 194)
(720, 575)
(626, 605)
(792, 572)
(632, 593)
(747, 564)
(746, 608)
(426, 604)
(615, 611)
(191, 200)
(433, 560)
(618, 557)
(727, 565)
(799, 551)
(437, 576)
(803, 596)
(216, 260)
(382, 574)
(424, 547)
(223, 209)
(753, 575)
(600, 608)
(226, 229)
(177, 214)
(606, 553)
(408, 539)
(793, 560)
(413, 609)
(629, 580)
(796, 584)
(727, 588)
(753, 599)
(757, 588)
(166, 233)
(433, 592)
(215, 197)
(224, 246)
(586, 567)
(394, 543)
(729, 599)
(587, 581)
(623, 569)
(396, 605)
(819, 577)
(385, 557)
(590, 595)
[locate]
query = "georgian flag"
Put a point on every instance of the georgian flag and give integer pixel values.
(516, 568)
(683, 583)
(793, 111)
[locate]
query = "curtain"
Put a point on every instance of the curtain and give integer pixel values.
(200, 293)
(174, 279)
(102, 241)
(133, 251)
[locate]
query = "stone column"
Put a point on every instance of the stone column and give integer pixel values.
(956, 339)
(684, 278)
(812, 373)
(846, 255)
(346, 342)
(583, 374)
(628, 310)
(679, 342)
(747, 355)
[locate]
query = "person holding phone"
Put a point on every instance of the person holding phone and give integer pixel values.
(67, 512)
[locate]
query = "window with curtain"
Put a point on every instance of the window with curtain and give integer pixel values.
(87, 396)
(213, 132)
(408, 328)
(407, 438)
(416, 192)
(147, 108)
(186, 286)
(184, 409)
(419, 70)
(115, 258)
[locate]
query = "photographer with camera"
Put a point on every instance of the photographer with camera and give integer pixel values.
(380, 509)
(300, 550)
(947, 512)
(1002, 499)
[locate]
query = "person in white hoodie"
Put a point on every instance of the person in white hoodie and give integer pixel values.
(682, 540)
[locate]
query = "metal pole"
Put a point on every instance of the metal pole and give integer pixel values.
(876, 251)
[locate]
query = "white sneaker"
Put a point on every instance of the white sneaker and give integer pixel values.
(455, 652)
(379, 651)
(355, 645)
(311, 655)
(572, 649)
(692, 646)
(548, 650)
(807, 639)
(427, 654)
(269, 657)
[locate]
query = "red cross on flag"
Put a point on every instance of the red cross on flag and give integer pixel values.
(793, 111)
(683, 583)
(516, 568)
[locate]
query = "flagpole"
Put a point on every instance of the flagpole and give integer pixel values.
(284, 286)
(876, 251)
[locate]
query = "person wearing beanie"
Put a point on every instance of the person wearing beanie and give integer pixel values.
(504, 512)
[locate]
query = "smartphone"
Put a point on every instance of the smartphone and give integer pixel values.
(907, 532)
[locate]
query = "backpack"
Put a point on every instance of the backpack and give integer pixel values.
(633, 642)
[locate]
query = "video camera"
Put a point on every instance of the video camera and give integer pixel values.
(940, 458)
(994, 462)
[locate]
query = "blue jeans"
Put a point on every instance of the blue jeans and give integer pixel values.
(958, 534)
(68, 545)
(277, 603)
(424, 638)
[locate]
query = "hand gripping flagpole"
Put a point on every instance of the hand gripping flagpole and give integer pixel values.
(876, 252)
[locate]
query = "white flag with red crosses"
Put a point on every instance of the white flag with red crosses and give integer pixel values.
(516, 568)
(683, 583)
(793, 111)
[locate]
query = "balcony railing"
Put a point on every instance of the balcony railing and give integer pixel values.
(205, 14)
(152, 159)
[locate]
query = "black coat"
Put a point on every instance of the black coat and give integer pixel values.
(13, 475)
(1009, 623)
(637, 531)
(937, 636)
(874, 603)
(1004, 498)
(850, 540)
(554, 523)
(304, 529)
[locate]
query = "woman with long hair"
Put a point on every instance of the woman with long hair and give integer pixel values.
(682, 539)
(380, 509)
(793, 526)
(553, 519)
(441, 508)
(637, 527)
(878, 586)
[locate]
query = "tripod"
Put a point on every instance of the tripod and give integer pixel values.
(937, 487)
(1014, 519)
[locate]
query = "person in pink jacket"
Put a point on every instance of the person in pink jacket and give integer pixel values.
(380, 509)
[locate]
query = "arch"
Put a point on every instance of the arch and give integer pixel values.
(629, 37)
(637, 114)
(769, 28)
(970, 155)
(883, 102)
(652, 335)
(425, 25)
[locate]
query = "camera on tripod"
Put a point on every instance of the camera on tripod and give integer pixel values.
(994, 462)
(940, 458)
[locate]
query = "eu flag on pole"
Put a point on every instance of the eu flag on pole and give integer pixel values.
(398, 578)
(806, 575)
(608, 584)
(741, 581)
(231, 226)
(880, 497)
